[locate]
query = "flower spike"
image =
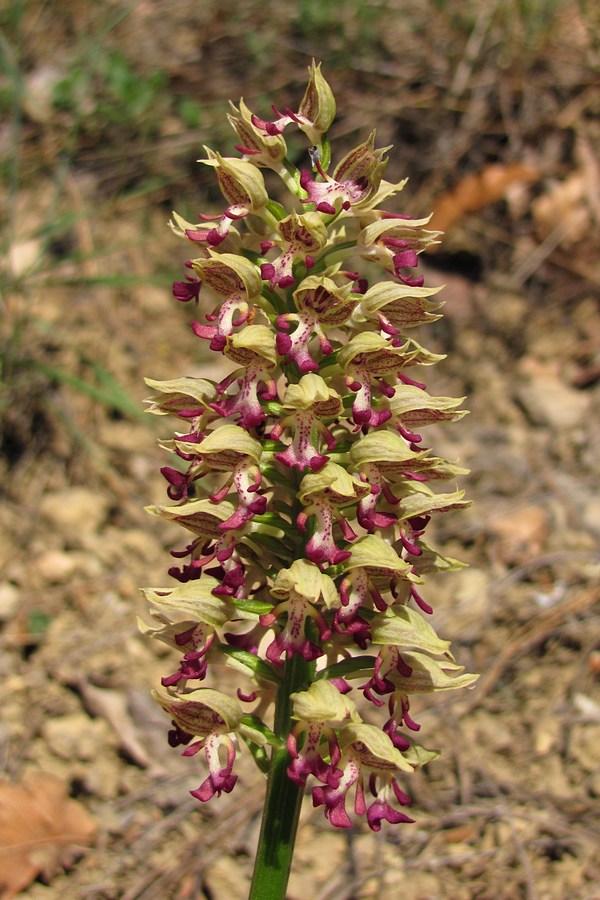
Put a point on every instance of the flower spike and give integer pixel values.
(300, 475)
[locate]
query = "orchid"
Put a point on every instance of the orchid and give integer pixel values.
(304, 486)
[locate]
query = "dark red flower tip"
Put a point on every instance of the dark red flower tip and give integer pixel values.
(327, 208)
(267, 271)
(184, 291)
(283, 343)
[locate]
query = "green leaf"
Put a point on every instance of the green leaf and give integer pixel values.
(257, 666)
(277, 210)
(258, 607)
(275, 545)
(259, 755)
(255, 730)
(357, 667)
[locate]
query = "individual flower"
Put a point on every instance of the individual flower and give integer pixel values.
(398, 306)
(320, 711)
(315, 113)
(379, 457)
(355, 180)
(257, 146)
(254, 349)
(370, 363)
(229, 448)
(211, 716)
(366, 751)
(373, 566)
(307, 403)
(204, 234)
(187, 398)
(401, 672)
(188, 617)
(322, 494)
(299, 589)
(235, 280)
(300, 236)
(242, 185)
(320, 305)
(395, 242)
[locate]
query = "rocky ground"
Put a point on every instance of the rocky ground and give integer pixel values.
(511, 808)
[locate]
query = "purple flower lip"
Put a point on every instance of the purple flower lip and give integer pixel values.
(184, 291)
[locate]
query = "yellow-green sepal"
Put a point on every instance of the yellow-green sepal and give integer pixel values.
(402, 627)
(322, 702)
(194, 599)
(202, 712)
(374, 748)
(378, 558)
(203, 517)
(306, 579)
(430, 675)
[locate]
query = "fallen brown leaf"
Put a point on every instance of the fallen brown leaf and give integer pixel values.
(39, 824)
(478, 190)
(459, 834)
(573, 204)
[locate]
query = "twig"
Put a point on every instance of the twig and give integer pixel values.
(527, 637)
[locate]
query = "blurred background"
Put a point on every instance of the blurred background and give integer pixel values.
(493, 109)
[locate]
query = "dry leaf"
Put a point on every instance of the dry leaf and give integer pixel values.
(112, 706)
(477, 191)
(572, 204)
(564, 204)
(460, 834)
(39, 824)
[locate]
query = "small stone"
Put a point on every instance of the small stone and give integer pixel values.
(583, 746)
(103, 778)
(77, 736)
(75, 512)
(547, 736)
(22, 255)
(594, 785)
(521, 534)
(9, 601)
(549, 401)
(225, 879)
(39, 92)
(55, 566)
(591, 515)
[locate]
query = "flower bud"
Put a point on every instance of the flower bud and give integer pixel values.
(229, 274)
(317, 106)
(259, 148)
(241, 183)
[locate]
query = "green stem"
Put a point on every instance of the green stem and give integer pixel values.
(284, 797)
